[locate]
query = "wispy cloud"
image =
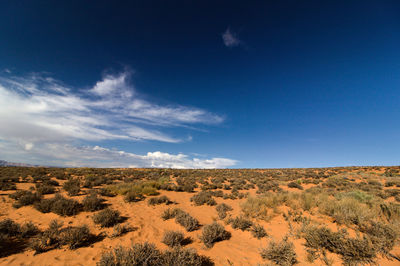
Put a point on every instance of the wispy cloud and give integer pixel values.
(230, 38)
(95, 156)
(37, 110)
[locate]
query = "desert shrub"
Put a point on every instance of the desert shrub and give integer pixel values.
(61, 206)
(7, 185)
(390, 211)
(185, 257)
(383, 236)
(133, 196)
(213, 233)
(24, 198)
(353, 251)
(119, 230)
(258, 231)
(75, 237)
(257, 207)
(148, 254)
(170, 213)
(92, 203)
(358, 195)
(105, 192)
(139, 254)
(307, 201)
(295, 185)
(28, 229)
(187, 221)
(107, 218)
(346, 210)
(43, 188)
(281, 253)
(240, 222)
(203, 197)
(173, 238)
(159, 200)
(222, 209)
(9, 228)
(72, 186)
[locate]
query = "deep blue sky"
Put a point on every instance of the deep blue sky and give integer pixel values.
(311, 83)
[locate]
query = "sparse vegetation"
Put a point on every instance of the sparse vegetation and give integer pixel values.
(213, 233)
(107, 218)
(281, 253)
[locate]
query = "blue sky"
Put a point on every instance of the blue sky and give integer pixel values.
(200, 84)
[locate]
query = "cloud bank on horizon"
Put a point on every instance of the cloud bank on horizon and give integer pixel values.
(44, 120)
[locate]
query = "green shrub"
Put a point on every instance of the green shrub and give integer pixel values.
(107, 218)
(213, 233)
(281, 253)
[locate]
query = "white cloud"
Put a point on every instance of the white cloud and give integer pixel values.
(42, 121)
(230, 39)
(95, 156)
(38, 108)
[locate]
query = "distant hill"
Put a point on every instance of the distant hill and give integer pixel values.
(5, 163)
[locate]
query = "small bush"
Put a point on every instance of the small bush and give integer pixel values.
(281, 253)
(213, 233)
(64, 207)
(24, 198)
(240, 222)
(75, 237)
(9, 228)
(72, 186)
(159, 200)
(43, 189)
(92, 203)
(258, 231)
(170, 213)
(29, 229)
(133, 196)
(354, 251)
(173, 238)
(139, 254)
(203, 197)
(295, 185)
(107, 218)
(148, 254)
(222, 209)
(346, 211)
(183, 257)
(187, 221)
(119, 230)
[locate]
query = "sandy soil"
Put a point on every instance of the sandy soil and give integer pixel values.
(241, 249)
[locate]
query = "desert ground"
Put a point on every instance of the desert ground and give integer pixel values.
(87, 216)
